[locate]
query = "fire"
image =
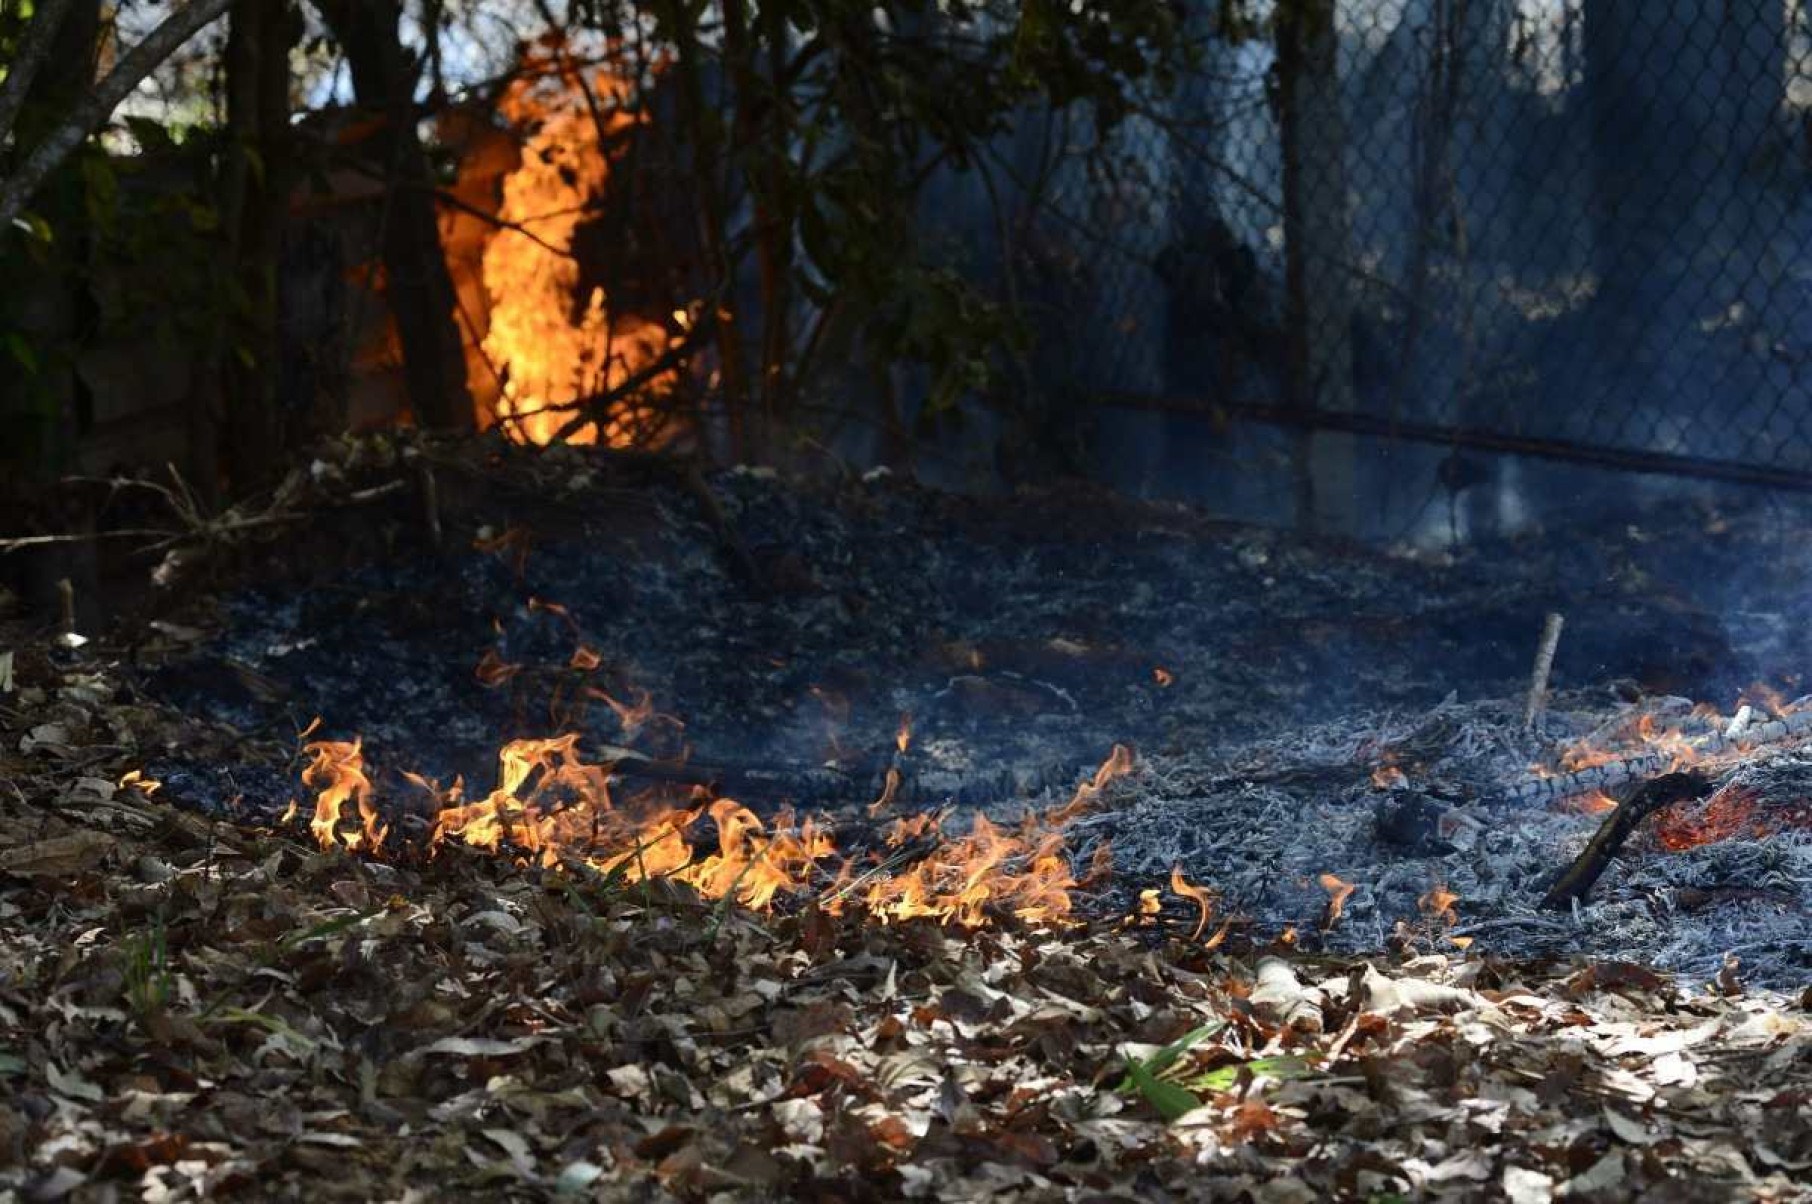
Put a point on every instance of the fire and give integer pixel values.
(1118, 764)
(1592, 802)
(1437, 904)
(553, 348)
(1203, 899)
(890, 788)
(1339, 892)
(554, 809)
(493, 670)
(1388, 777)
(1164, 677)
(902, 739)
(338, 772)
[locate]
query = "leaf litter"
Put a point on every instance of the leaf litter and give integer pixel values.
(196, 1007)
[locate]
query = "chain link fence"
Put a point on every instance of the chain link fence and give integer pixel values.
(1571, 228)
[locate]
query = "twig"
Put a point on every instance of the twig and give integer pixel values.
(1544, 666)
(431, 505)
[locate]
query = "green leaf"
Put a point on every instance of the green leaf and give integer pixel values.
(1170, 1100)
(1224, 1078)
(1162, 1060)
(20, 350)
(35, 228)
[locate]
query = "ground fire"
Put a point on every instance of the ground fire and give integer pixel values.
(737, 482)
(553, 809)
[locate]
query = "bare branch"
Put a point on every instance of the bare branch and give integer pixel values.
(88, 116)
(34, 48)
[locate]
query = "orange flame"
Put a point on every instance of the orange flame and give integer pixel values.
(1203, 898)
(553, 809)
(1437, 904)
(338, 772)
(889, 789)
(553, 347)
(1592, 802)
(1338, 893)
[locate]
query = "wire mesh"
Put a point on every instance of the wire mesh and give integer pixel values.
(1575, 221)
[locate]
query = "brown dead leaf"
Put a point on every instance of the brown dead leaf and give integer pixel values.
(58, 857)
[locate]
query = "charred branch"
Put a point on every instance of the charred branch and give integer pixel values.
(1665, 791)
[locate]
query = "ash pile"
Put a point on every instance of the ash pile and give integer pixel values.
(1459, 826)
(1301, 708)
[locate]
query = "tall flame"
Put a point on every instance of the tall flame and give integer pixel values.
(554, 348)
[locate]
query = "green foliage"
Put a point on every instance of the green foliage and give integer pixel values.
(149, 985)
(1226, 1078)
(1144, 1075)
(813, 127)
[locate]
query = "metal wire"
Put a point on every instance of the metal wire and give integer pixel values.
(1565, 228)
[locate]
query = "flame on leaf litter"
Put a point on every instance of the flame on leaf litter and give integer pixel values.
(553, 347)
(338, 773)
(554, 809)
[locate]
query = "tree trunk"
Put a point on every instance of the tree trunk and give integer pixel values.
(417, 284)
(1317, 257)
(45, 292)
(255, 183)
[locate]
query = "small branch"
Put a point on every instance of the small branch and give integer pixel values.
(38, 541)
(33, 49)
(98, 105)
(1579, 878)
(1544, 667)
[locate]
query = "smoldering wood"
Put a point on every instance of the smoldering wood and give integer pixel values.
(1796, 724)
(1665, 791)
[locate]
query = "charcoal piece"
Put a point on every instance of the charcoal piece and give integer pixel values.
(1414, 823)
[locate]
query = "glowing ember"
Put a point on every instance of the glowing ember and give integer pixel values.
(1729, 812)
(1164, 677)
(1199, 894)
(553, 347)
(1388, 777)
(903, 739)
